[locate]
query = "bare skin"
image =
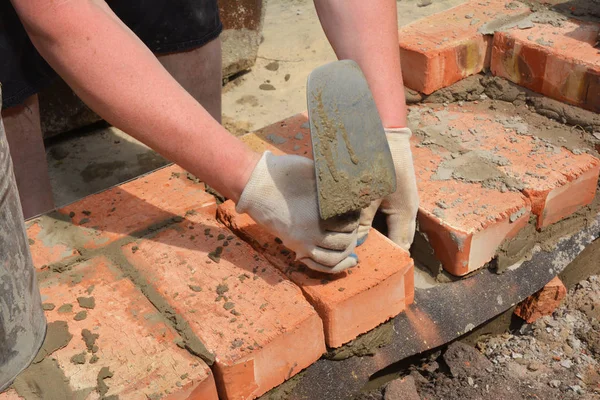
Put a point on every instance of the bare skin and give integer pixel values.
(367, 32)
(24, 135)
(128, 86)
(155, 110)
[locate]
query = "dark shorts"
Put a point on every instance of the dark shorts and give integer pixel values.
(165, 26)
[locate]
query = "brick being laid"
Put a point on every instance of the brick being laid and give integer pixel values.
(349, 303)
(256, 322)
(106, 339)
(446, 47)
(558, 60)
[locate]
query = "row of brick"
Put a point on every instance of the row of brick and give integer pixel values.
(553, 55)
(481, 174)
(154, 244)
(149, 259)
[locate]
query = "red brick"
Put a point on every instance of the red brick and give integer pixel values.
(263, 333)
(10, 394)
(134, 340)
(350, 303)
(290, 136)
(567, 70)
(444, 48)
(339, 301)
(115, 213)
(467, 233)
(543, 302)
(556, 181)
(46, 247)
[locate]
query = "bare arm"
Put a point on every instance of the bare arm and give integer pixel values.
(367, 32)
(119, 78)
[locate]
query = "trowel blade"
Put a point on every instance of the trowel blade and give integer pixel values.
(353, 163)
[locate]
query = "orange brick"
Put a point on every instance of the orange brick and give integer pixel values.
(466, 234)
(444, 48)
(556, 181)
(290, 136)
(339, 301)
(103, 218)
(350, 303)
(10, 394)
(45, 246)
(557, 61)
(134, 340)
(543, 302)
(245, 311)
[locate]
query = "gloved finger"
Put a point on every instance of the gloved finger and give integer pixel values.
(346, 223)
(401, 229)
(337, 240)
(348, 262)
(366, 220)
(329, 258)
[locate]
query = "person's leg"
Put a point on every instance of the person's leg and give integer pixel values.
(26, 143)
(367, 32)
(199, 72)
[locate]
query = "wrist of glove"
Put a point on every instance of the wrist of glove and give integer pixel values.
(281, 195)
(401, 206)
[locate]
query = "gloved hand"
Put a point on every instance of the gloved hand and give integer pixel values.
(281, 195)
(401, 206)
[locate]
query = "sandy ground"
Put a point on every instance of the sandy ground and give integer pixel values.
(294, 44)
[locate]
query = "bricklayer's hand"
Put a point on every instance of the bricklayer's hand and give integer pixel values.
(281, 195)
(401, 206)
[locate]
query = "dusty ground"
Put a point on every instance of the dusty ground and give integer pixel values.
(557, 357)
(294, 44)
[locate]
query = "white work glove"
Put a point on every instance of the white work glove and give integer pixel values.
(281, 195)
(401, 206)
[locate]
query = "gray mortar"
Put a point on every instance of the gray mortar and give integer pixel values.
(468, 89)
(46, 380)
(519, 247)
(276, 139)
(364, 345)
(57, 337)
(503, 23)
(63, 232)
(547, 135)
(190, 341)
(477, 166)
(535, 120)
(522, 20)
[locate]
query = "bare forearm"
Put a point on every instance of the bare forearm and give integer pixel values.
(367, 32)
(117, 76)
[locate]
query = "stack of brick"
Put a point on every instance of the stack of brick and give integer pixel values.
(157, 298)
(162, 293)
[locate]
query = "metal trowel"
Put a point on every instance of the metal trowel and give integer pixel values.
(353, 163)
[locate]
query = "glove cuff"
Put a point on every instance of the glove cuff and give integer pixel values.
(259, 175)
(406, 132)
